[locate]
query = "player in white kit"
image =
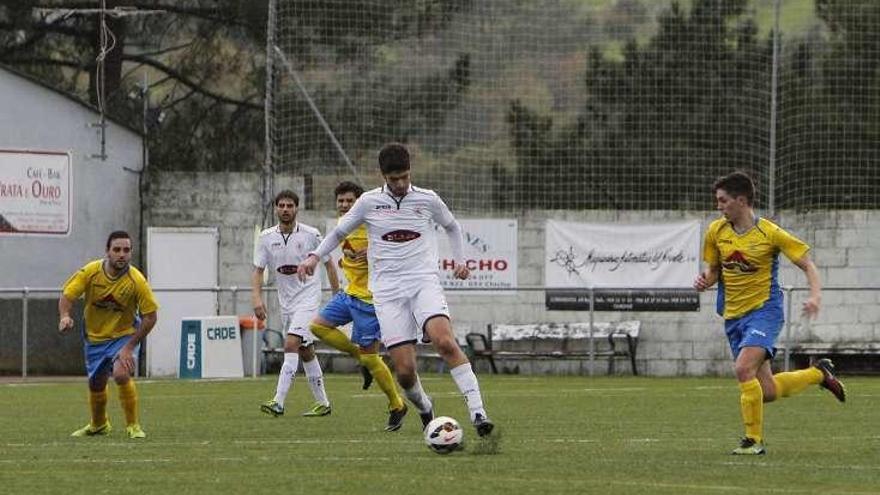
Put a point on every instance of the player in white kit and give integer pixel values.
(281, 248)
(404, 278)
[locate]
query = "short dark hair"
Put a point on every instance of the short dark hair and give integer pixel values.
(737, 184)
(348, 187)
(393, 158)
(287, 194)
(117, 234)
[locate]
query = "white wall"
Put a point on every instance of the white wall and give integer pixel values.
(105, 196)
(846, 246)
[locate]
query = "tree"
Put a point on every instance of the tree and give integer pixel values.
(688, 103)
(203, 60)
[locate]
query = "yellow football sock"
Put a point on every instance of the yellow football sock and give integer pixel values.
(335, 338)
(751, 402)
(98, 407)
(382, 375)
(128, 398)
(794, 382)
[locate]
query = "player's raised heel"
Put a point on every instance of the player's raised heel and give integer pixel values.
(748, 446)
(829, 381)
(135, 431)
(272, 408)
(483, 425)
(90, 431)
(426, 417)
(395, 418)
(367, 376)
(318, 409)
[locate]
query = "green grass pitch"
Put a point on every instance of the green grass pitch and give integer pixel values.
(559, 435)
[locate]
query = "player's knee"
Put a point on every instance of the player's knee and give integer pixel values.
(744, 373)
(121, 377)
(306, 353)
(406, 380)
(447, 348)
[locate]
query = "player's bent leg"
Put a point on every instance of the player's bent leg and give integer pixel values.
(790, 383)
(439, 329)
(403, 356)
(333, 337)
(829, 381)
(768, 384)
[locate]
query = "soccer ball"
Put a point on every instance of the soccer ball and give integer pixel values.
(444, 435)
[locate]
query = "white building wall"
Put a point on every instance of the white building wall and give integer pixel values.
(845, 244)
(105, 194)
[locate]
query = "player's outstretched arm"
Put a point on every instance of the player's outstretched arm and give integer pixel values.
(812, 304)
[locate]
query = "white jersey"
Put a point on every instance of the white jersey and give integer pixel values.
(402, 251)
(282, 253)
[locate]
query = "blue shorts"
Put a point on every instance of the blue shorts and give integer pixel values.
(344, 308)
(100, 355)
(757, 328)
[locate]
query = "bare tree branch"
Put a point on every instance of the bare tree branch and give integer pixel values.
(192, 85)
(172, 73)
(208, 14)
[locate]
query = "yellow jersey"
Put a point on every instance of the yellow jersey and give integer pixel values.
(749, 264)
(356, 272)
(111, 304)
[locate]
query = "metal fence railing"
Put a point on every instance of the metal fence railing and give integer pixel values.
(228, 303)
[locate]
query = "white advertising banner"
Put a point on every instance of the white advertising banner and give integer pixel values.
(633, 267)
(490, 251)
(35, 192)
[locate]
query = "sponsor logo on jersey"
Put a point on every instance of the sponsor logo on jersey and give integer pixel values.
(287, 269)
(400, 236)
(738, 262)
(108, 302)
(382, 207)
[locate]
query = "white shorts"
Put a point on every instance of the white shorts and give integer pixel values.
(402, 319)
(298, 324)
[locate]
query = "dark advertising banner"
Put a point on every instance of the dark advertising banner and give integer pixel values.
(624, 300)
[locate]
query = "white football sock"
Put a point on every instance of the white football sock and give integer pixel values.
(467, 383)
(285, 378)
(416, 394)
(316, 381)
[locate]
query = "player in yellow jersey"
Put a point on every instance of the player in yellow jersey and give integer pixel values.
(355, 304)
(120, 310)
(741, 251)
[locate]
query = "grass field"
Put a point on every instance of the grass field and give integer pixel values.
(559, 435)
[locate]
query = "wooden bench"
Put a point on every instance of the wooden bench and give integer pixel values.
(558, 341)
(849, 357)
(273, 353)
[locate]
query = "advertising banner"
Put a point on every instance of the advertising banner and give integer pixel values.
(629, 267)
(35, 192)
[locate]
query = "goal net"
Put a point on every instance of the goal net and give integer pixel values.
(607, 104)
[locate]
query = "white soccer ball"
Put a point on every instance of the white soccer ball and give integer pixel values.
(444, 435)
